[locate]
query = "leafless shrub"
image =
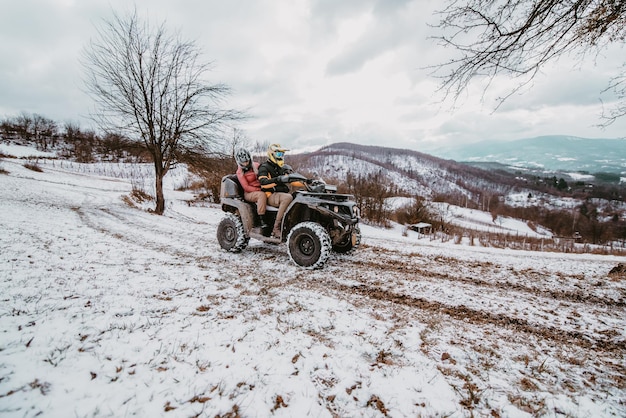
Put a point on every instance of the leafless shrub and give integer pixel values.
(383, 358)
(44, 387)
(140, 196)
(33, 166)
(473, 394)
(56, 356)
(619, 271)
(233, 413)
(129, 202)
(377, 403)
(136, 198)
(528, 385)
(279, 402)
(535, 407)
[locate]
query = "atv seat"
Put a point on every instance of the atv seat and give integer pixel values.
(232, 188)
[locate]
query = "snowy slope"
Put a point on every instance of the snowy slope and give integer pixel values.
(412, 172)
(484, 221)
(108, 310)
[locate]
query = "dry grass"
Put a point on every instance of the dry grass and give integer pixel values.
(136, 198)
(33, 166)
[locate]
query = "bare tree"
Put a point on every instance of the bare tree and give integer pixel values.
(23, 125)
(45, 131)
(149, 85)
(518, 37)
(259, 150)
(238, 140)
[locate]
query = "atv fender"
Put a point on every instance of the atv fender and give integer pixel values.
(242, 208)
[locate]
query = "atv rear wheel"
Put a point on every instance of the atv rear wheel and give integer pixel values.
(231, 235)
(309, 245)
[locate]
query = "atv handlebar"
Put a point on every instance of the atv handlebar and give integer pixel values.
(312, 185)
(292, 177)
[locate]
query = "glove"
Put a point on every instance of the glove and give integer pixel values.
(282, 179)
(308, 181)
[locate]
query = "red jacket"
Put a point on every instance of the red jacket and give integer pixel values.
(248, 179)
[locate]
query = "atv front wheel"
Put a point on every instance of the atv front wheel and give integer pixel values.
(231, 235)
(309, 245)
(349, 243)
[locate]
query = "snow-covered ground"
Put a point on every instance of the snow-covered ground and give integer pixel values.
(22, 151)
(109, 310)
(473, 219)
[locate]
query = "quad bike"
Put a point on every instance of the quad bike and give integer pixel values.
(318, 220)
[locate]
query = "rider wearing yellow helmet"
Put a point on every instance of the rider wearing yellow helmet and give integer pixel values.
(276, 154)
(275, 184)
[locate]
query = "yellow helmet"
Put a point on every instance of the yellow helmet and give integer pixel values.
(276, 154)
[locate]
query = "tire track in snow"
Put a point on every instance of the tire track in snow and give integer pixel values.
(358, 269)
(171, 240)
(171, 237)
(607, 340)
(480, 317)
(572, 287)
(422, 273)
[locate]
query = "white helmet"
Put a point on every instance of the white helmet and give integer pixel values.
(242, 156)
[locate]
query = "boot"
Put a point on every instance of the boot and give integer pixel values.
(276, 231)
(266, 229)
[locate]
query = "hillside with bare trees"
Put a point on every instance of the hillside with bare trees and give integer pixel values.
(593, 212)
(596, 212)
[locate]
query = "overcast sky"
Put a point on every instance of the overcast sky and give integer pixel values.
(310, 72)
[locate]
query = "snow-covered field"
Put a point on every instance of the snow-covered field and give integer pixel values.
(109, 310)
(484, 221)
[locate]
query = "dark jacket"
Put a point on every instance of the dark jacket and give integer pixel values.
(268, 176)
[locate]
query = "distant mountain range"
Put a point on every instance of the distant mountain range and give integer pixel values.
(552, 153)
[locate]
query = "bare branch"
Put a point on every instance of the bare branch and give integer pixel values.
(618, 87)
(516, 38)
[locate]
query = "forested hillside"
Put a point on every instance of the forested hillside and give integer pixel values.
(405, 171)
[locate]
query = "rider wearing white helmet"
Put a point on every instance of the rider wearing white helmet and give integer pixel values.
(247, 172)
